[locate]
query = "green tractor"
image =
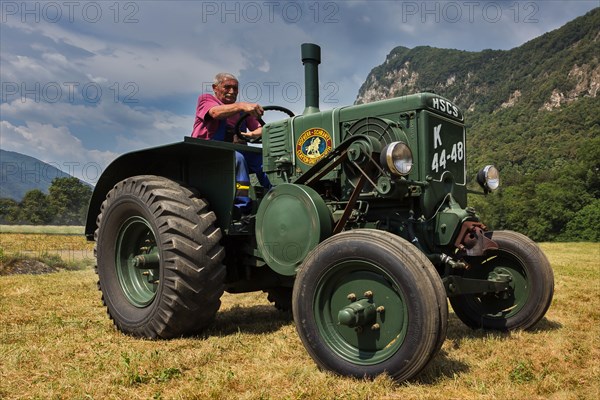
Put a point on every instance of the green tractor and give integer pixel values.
(364, 235)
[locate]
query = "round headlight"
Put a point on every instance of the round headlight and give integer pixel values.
(488, 178)
(397, 158)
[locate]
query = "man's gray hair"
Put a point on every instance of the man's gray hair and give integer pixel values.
(222, 76)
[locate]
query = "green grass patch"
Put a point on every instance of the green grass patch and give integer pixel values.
(43, 229)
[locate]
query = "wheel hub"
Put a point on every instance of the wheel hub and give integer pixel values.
(137, 261)
(358, 314)
(356, 297)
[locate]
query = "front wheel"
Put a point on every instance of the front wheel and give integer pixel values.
(159, 261)
(365, 304)
(520, 261)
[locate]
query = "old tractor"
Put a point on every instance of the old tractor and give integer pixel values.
(364, 235)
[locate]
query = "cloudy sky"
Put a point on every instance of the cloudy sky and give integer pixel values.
(82, 82)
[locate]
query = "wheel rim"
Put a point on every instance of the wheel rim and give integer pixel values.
(137, 261)
(503, 266)
(381, 332)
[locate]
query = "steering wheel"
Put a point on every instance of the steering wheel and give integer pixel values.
(236, 129)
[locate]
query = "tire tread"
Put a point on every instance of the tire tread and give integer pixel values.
(193, 272)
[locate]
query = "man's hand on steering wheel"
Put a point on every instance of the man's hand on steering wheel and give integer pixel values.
(252, 135)
(253, 109)
(255, 136)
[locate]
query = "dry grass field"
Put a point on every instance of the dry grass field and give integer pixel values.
(56, 342)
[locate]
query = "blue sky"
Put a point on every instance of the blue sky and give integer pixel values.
(82, 82)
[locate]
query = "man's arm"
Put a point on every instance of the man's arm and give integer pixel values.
(227, 110)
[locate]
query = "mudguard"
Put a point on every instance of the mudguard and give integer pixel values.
(208, 166)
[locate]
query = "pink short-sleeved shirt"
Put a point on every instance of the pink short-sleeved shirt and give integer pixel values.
(205, 126)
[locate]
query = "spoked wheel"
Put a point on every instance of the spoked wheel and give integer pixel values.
(364, 304)
(159, 260)
(519, 261)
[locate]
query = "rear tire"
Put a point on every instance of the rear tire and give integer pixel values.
(381, 270)
(532, 283)
(165, 229)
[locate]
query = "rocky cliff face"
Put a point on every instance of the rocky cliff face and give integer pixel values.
(545, 73)
(586, 81)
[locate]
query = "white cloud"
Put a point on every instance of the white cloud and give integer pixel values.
(56, 146)
(265, 67)
(77, 129)
(56, 59)
(96, 79)
(102, 117)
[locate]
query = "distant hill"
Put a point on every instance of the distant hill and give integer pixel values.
(20, 173)
(533, 111)
(545, 73)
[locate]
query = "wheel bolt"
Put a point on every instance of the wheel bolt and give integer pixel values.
(380, 309)
(375, 327)
(368, 294)
(351, 297)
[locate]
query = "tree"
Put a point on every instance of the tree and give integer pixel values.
(9, 210)
(35, 208)
(69, 198)
(585, 225)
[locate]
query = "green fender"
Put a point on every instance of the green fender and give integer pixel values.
(208, 166)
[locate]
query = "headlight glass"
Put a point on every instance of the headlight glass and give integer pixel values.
(397, 158)
(489, 178)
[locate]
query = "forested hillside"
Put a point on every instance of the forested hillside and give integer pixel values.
(20, 173)
(533, 111)
(34, 192)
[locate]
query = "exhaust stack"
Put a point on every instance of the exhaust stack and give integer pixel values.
(311, 58)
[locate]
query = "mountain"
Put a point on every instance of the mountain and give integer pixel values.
(20, 173)
(533, 111)
(544, 73)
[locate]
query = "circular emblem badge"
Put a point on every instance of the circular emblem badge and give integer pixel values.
(313, 145)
